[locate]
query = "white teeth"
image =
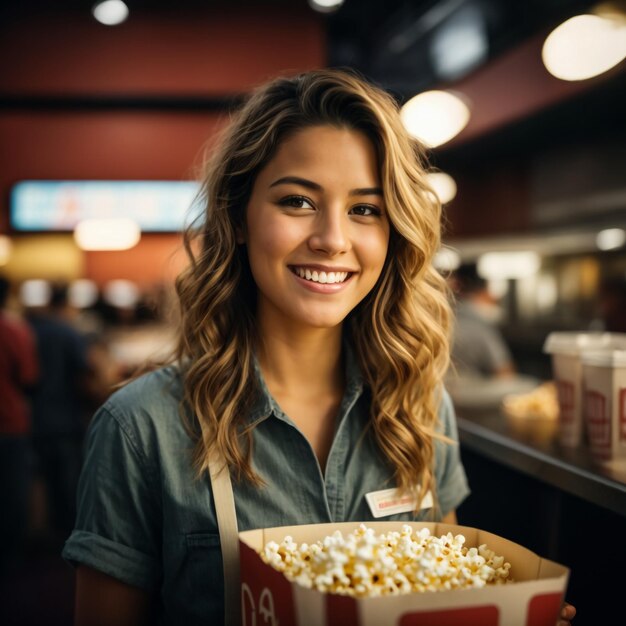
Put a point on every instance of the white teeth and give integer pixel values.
(321, 277)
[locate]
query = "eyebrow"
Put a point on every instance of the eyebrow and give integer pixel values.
(309, 184)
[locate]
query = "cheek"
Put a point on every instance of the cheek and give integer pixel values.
(271, 243)
(375, 247)
(279, 237)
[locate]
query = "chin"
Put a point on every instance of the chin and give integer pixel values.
(322, 320)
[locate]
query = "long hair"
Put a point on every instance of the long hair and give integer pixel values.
(399, 331)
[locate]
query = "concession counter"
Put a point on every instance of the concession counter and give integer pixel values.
(556, 501)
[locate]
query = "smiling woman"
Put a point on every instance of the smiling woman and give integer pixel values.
(312, 346)
(331, 234)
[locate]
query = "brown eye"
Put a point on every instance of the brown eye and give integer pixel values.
(366, 210)
(297, 202)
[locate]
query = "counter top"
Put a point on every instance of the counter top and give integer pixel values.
(535, 452)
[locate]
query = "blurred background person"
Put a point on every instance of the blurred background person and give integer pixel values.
(18, 372)
(479, 349)
(57, 407)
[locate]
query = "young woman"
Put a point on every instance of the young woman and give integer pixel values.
(313, 342)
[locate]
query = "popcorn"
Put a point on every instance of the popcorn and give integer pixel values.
(541, 403)
(364, 564)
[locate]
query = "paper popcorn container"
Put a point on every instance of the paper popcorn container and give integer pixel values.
(604, 393)
(268, 597)
(566, 349)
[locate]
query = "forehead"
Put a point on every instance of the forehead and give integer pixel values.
(326, 151)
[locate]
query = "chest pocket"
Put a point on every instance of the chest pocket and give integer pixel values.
(203, 585)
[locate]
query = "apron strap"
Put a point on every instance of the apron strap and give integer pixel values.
(229, 537)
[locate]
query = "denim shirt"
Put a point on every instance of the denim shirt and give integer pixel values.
(145, 520)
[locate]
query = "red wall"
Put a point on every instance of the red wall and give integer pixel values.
(211, 52)
(208, 54)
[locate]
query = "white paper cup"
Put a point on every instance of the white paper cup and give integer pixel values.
(566, 349)
(604, 402)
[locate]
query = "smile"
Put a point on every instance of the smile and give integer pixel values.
(320, 277)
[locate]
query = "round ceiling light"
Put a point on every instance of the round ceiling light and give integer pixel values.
(443, 185)
(325, 6)
(611, 238)
(585, 46)
(110, 12)
(435, 117)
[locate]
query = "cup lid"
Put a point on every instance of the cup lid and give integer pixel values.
(604, 358)
(573, 343)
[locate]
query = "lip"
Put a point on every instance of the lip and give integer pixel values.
(323, 268)
(324, 288)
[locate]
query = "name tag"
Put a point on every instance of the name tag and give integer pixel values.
(389, 502)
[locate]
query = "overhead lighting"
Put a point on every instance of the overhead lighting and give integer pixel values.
(611, 238)
(325, 6)
(505, 265)
(435, 117)
(447, 259)
(443, 185)
(123, 294)
(110, 12)
(35, 293)
(585, 46)
(107, 234)
(82, 293)
(5, 249)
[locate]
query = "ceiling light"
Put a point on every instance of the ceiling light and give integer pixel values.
(443, 185)
(110, 12)
(82, 293)
(5, 249)
(123, 294)
(585, 46)
(447, 259)
(325, 6)
(107, 234)
(611, 238)
(505, 265)
(435, 117)
(35, 293)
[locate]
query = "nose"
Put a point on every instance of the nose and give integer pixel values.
(331, 233)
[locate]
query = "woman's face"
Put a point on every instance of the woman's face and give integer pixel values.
(316, 230)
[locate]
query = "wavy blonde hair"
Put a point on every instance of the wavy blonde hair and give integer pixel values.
(400, 330)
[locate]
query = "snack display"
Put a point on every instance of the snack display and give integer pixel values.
(542, 403)
(365, 564)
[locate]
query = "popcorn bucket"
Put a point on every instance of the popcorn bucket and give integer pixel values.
(604, 389)
(566, 349)
(268, 597)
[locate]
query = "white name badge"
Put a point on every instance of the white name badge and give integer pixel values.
(389, 502)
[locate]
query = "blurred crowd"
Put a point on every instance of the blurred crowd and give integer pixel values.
(58, 363)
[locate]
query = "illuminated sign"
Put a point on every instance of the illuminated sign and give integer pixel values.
(156, 206)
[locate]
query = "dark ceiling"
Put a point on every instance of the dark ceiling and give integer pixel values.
(390, 41)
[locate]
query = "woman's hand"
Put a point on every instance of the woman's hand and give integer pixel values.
(568, 612)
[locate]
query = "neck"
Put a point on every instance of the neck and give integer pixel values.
(307, 362)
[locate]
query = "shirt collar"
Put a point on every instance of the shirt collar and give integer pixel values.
(264, 405)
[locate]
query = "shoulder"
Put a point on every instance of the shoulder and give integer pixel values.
(162, 384)
(447, 417)
(148, 408)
